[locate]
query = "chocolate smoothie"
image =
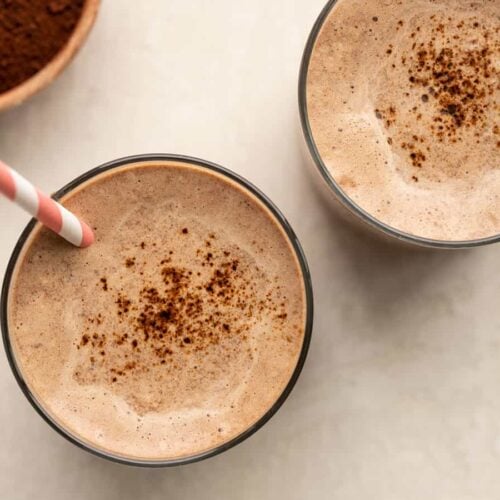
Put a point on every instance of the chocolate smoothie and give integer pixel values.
(403, 103)
(177, 330)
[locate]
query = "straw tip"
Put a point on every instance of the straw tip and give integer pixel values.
(87, 236)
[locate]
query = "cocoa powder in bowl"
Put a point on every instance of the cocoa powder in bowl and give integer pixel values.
(32, 32)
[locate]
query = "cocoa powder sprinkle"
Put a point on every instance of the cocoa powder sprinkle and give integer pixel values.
(455, 79)
(178, 312)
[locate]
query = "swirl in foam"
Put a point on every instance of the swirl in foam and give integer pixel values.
(403, 102)
(177, 330)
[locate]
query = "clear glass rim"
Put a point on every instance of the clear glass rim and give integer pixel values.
(346, 201)
(307, 327)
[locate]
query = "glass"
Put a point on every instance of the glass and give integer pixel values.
(368, 220)
(247, 186)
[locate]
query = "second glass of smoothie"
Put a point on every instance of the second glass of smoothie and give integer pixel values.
(399, 108)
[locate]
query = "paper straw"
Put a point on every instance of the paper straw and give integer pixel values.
(50, 213)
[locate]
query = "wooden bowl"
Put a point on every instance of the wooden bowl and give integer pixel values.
(46, 75)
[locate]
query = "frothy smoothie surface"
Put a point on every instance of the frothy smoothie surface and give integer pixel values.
(403, 101)
(177, 330)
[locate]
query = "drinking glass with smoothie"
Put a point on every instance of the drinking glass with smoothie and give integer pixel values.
(177, 333)
(399, 107)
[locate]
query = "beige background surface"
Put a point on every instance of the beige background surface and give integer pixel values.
(400, 396)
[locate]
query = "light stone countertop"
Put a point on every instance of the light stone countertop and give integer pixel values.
(400, 396)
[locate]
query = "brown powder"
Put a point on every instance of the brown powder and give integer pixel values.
(32, 32)
(457, 79)
(182, 313)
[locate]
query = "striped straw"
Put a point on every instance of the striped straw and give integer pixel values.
(45, 209)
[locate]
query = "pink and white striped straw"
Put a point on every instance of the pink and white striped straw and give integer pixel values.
(50, 213)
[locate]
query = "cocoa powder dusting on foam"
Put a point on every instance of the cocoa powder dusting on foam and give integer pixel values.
(452, 68)
(457, 79)
(130, 261)
(180, 314)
